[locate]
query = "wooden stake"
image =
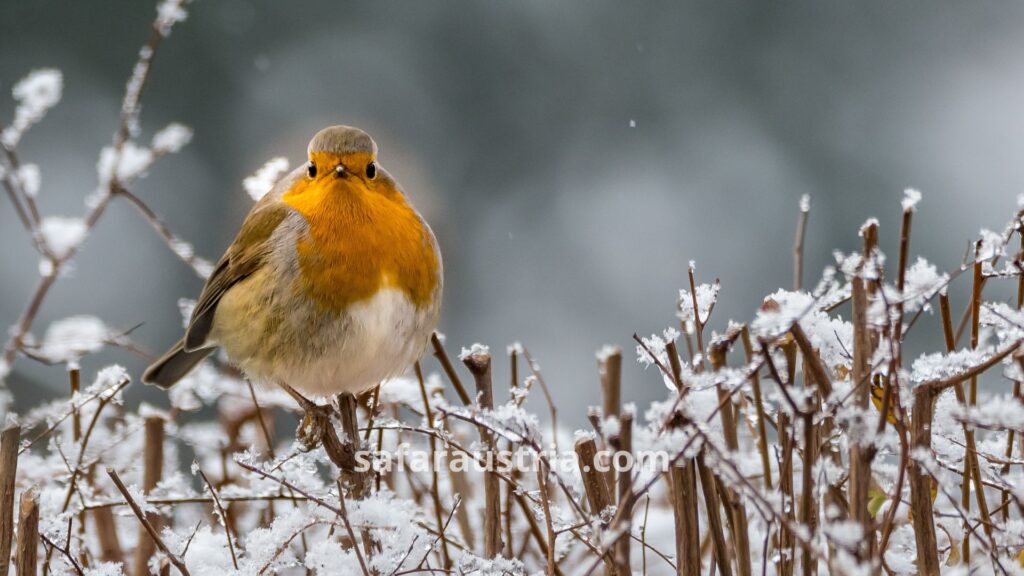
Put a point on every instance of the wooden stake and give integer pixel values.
(625, 444)
(595, 486)
(736, 514)
(921, 483)
(9, 440)
(684, 506)
(479, 364)
(153, 467)
(27, 555)
(106, 533)
(609, 366)
(863, 349)
(712, 506)
(593, 480)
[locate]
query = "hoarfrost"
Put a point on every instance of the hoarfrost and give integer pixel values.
(264, 179)
(169, 13)
(833, 337)
(69, 339)
(171, 138)
(911, 197)
(707, 294)
(1000, 413)
(123, 165)
(35, 94)
(992, 246)
(923, 281)
(61, 235)
(474, 350)
(940, 366)
(29, 177)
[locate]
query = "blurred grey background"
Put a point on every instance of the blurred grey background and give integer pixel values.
(572, 156)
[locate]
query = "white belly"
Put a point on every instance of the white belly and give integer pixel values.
(322, 355)
(376, 339)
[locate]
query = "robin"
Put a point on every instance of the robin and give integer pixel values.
(332, 285)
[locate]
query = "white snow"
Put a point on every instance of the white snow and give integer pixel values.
(69, 339)
(35, 94)
(61, 234)
(940, 366)
(125, 165)
(29, 177)
(656, 352)
(831, 336)
(264, 179)
(869, 223)
(707, 294)
(171, 138)
(474, 350)
(999, 413)
(992, 245)
(923, 281)
(607, 351)
(911, 197)
(169, 13)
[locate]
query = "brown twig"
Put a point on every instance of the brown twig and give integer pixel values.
(762, 434)
(351, 533)
(449, 370)
(223, 516)
(201, 267)
(435, 496)
(64, 552)
(150, 529)
(798, 244)
(552, 408)
(712, 509)
(550, 555)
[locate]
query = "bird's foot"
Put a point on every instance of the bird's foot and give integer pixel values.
(316, 420)
(315, 425)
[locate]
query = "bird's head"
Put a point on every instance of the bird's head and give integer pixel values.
(344, 159)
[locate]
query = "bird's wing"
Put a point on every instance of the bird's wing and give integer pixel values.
(244, 257)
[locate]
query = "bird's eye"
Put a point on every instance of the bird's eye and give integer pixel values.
(371, 170)
(311, 169)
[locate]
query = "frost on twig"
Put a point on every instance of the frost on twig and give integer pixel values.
(263, 179)
(35, 94)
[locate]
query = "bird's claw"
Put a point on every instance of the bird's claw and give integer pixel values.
(314, 425)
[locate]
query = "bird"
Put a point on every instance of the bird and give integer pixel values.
(333, 284)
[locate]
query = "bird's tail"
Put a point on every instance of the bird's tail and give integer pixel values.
(174, 365)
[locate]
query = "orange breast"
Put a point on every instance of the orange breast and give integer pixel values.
(360, 241)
